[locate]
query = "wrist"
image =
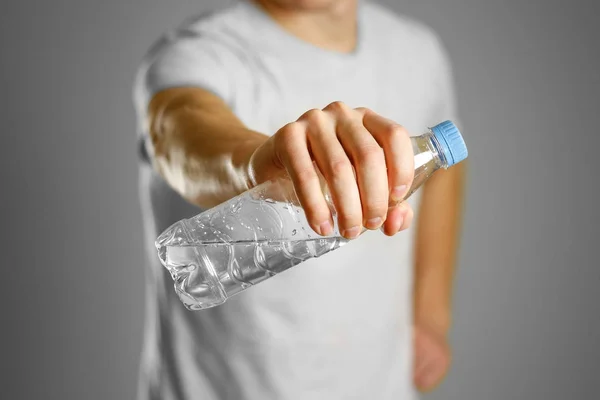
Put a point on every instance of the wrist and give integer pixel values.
(242, 161)
(439, 320)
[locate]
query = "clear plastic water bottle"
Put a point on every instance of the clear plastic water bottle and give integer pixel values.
(264, 231)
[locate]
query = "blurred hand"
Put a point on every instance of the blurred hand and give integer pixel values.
(431, 357)
(366, 160)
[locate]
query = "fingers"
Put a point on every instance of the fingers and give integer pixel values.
(334, 164)
(430, 374)
(432, 360)
(291, 148)
(399, 218)
(399, 156)
(368, 160)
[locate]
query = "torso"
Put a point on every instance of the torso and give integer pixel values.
(336, 327)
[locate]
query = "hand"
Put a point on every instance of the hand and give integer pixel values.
(366, 160)
(431, 357)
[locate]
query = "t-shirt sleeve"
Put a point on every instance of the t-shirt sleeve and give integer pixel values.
(445, 104)
(184, 60)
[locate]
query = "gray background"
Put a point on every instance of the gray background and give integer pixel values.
(528, 75)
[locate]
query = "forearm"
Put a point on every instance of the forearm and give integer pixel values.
(438, 231)
(200, 147)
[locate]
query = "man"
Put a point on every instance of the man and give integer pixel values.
(236, 97)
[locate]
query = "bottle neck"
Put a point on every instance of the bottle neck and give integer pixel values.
(434, 147)
(429, 157)
(428, 152)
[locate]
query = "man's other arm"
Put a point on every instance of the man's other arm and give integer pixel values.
(438, 231)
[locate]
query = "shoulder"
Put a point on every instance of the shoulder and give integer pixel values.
(197, 52)
(201, 31)
(200, 52)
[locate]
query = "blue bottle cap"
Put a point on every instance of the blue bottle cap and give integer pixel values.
(452, 142)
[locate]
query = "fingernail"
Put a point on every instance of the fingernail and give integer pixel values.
(326, 228)
(351, 233)
(398, 192)
(374, 223)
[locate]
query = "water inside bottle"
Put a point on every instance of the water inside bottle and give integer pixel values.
(229, 248)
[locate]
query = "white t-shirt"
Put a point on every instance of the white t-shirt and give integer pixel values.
(333, 328)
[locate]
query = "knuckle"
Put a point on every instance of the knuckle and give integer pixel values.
(306, 177)
(370, 155)
(376, 208)
(312, 116)
(338, 107)
(288, 131)
(314, 211)
(350, 218)
(363, 110)
(339, 167)
(287, 135)
(395, 132)
(318, 212)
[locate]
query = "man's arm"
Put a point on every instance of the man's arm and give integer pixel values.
(207, 155)
(438, 230)
(437, 239)
(200, 147)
